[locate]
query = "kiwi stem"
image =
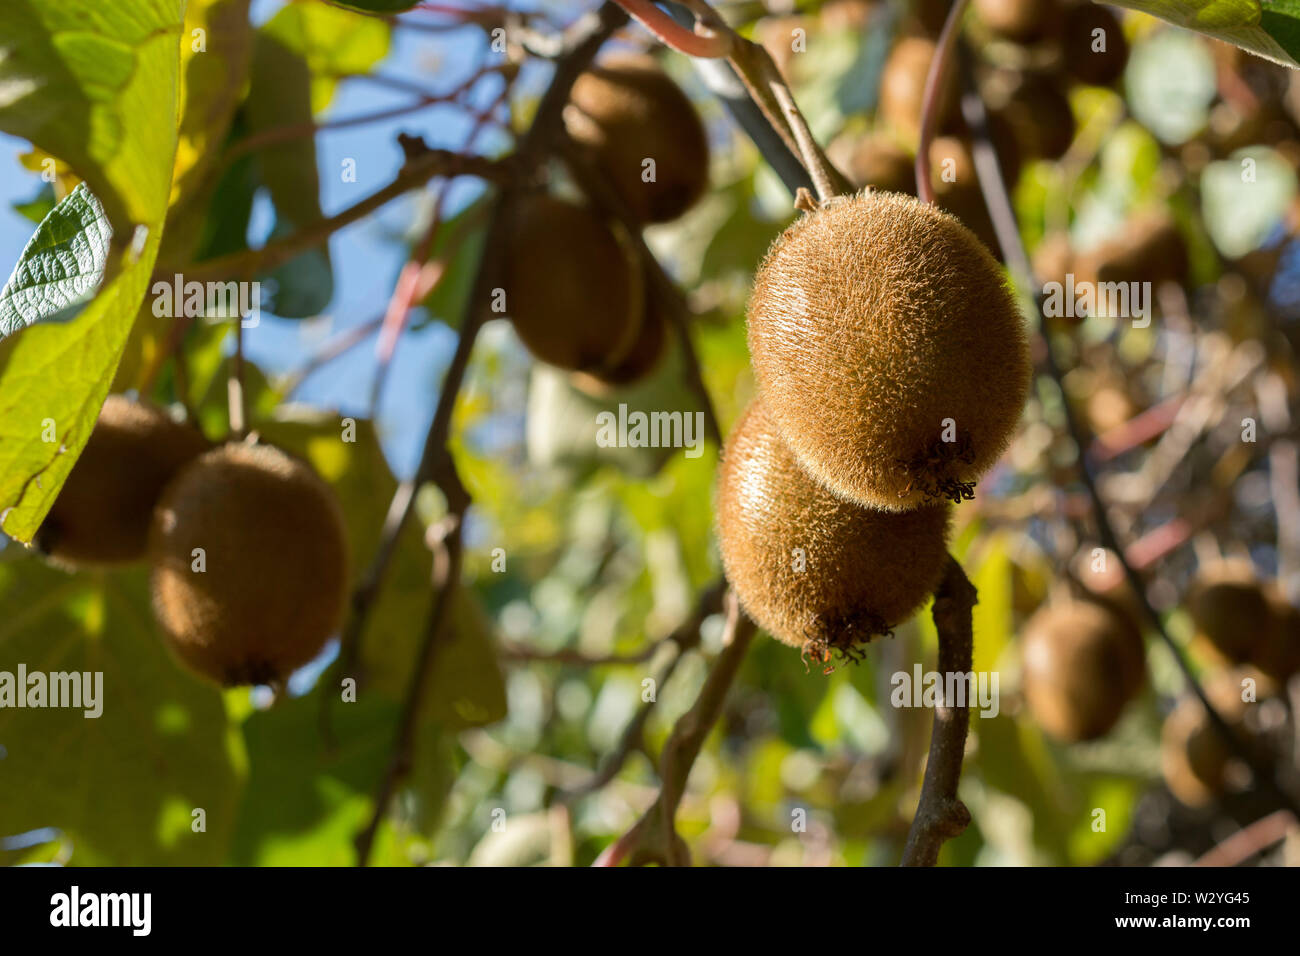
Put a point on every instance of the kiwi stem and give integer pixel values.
(935, 80)
(653, 838)
(1002, 214)
(940, 815)
(701, 42)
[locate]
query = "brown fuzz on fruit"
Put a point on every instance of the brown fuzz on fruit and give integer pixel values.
(102, 513)
(573, 289)
(1080, 42)
(1197, 763)
(626, 111)
(889, 350)
(902, 87)
(268, 587)
(1083, 662)
(1231, 611)
(815, 571)
(1148, 249)
(1021, 21)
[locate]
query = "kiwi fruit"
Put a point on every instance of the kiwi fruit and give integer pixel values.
(1149, 249)
(877, 161)
(1078, 36)
(573, 288)
(1083, 662)
(642, 359)
(1231, 611)
(273, 578)
(1279, 658)
(1034, 107)
(1021, 21)
(956, 187)
(902, 87)
(625, 111)
(815, 571)
(102, 513)
(889, 349)
(1195, 759)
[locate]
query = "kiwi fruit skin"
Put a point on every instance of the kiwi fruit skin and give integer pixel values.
(644, 357)
(1021, 21)
(1080, 60)
(626, 110)
(1083, 662)
(902, 88)
(1034, 107)
(1279, 658)
(573, 289)
(276, 566)
(1194, 757)
(873, 322)
(1231, 611)
(102, 513)
(865, 571)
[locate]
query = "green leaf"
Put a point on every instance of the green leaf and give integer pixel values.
(94, 84)
(332, 41)
(460, 240)
(1244, 23)
(60, 267)
(1281, 20)
(122, 787)
(39, 206)
(378, 7)
(280, 96)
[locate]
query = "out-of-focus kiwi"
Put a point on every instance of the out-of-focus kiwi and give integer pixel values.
(902, 87)
(878, 161)
(1279, 657)
(889, 350)
(573, 289)
(1083, 662)
(1195, 759)
(1035, 107)
(249, 556)
(957, 189)
(1089, 56)
(627, 111)
(1230, 610)
(1149, 249)
(643, 358)
(102, 513)
(813, 570)
(1022, 21)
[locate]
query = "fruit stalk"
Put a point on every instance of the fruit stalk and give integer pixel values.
(940, 815)
(935, 81)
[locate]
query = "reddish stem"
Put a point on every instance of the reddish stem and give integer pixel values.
(934, 83)
(701, 42)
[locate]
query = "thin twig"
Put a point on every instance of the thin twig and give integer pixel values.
(1249, 841)
(702, 42)
(940, 815)
(936, 84)
(235, 402)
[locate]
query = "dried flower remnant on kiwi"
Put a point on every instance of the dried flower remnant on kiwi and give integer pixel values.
(815, 571)
(889, 349)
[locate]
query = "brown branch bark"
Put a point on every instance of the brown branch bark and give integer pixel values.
(940, 815)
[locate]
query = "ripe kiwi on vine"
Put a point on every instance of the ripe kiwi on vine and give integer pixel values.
(902, 87)
(1098, 60)
(889, 350)
(1020, 21)
(643, 357)
(102, 513)
(1230, 610)
(574, 290)
(249, 564)
(1083, 663)
(626, 111)
(815, 571)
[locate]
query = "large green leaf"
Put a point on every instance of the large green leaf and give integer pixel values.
(1267, 29)
(94, 84)
(122, 786)
(61, 266)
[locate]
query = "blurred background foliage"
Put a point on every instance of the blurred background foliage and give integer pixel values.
(606, 550)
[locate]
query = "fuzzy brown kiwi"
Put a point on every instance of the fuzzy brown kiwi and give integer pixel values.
(1279, 658)
(1083, 662)
(815, 571)
(1035, 108)
(1021, 21)
(1231, 610)
(902, 87)
(879, 327)
(1098, 67)
(275, 566)
(102, 513)
(641, 360)
(626, 110)
(1195, 759)
(878, 161)
(573, 289)
(1149, 249)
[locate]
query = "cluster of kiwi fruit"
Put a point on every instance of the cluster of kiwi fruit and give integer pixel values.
(576, 290)
(892, 367)
(1032, 53)
(246, 543)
